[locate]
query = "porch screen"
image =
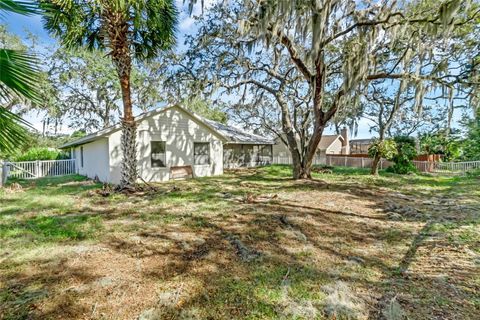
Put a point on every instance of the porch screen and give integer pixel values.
(201, 153)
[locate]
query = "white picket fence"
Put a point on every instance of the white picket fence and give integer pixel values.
(447, 167)
(39, 169)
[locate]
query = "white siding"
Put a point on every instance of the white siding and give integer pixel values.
(95, 159)
(280, 149)
(179, 131)
(335, 147)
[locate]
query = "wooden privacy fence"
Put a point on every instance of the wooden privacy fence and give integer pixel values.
(39, 169)
(337, 161)
(355, 162)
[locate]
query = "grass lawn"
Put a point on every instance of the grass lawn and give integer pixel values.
(251, 244)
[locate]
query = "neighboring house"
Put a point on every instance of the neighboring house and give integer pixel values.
(360, 146)
(169, 138)
(329, 144)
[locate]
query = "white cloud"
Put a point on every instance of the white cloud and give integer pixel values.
(186, 20)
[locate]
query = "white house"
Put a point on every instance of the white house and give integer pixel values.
(167, 139)
(329, 144)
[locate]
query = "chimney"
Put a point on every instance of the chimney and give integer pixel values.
(346, 141)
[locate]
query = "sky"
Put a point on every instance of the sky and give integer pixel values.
(20, 25)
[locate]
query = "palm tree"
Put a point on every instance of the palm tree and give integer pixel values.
(128, 30)
(18, 77)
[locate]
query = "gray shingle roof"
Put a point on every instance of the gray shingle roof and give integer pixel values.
(236, 135)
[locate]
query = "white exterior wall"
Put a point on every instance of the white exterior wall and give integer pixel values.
(335, 147)
(95, 160)
(280, 149)
(179, 131)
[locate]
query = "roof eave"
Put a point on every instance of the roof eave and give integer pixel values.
(250, 142)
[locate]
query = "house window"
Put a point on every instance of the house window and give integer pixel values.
(201, 153)
(81, 157)
(266, 151)
(158, 157)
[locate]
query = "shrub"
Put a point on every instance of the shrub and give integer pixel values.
(403, 158)
(41, 154)
(385, 149)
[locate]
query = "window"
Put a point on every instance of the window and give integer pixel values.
(201, 153)
(81, 157)
(266, 151)
(158, 154)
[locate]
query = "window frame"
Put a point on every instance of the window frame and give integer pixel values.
(164, 161)
(208, 153)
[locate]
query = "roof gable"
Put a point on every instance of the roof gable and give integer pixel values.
(328, 140)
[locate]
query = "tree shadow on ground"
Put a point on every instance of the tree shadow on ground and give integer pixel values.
(199, 261)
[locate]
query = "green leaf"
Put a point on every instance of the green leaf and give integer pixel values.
(18, 74)
(21, 7)
(12, 131)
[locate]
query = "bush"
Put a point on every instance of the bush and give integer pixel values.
(403, 158)
(41, 154)
(385, 149)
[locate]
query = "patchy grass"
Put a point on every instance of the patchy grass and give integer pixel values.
(251, 244)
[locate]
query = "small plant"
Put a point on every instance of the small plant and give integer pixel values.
(381, 149)
(385, 149)
(403, 158)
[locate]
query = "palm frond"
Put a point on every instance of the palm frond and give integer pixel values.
(21, 7)
(81, 24)
(18, 74)
(12, 131)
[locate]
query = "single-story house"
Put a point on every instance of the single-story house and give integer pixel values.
(170, 138)
(329, 144)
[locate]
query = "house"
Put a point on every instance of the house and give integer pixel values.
(360, 146)
(329, 144)
(167, 139)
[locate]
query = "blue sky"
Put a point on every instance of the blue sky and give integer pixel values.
(20, 24)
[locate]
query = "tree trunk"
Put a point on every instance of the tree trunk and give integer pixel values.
(300, 171)
(302, 162)
(129, 135)
(375, 163)
(129, 150)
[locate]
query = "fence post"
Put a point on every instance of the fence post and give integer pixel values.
(37, 169)
(362, 162)
(345, 161)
